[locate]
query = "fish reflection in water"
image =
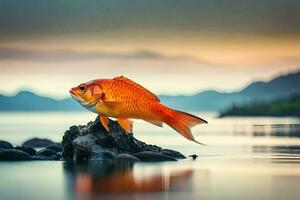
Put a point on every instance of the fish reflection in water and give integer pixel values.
(107, 177)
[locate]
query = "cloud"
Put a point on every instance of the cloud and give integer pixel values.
(50, 18)
(62, 55)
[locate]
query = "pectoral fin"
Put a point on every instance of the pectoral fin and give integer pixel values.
(126, 124)
(156, 123)
(111, 104)
(104, 121)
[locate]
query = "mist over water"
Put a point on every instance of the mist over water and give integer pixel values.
(245, 158)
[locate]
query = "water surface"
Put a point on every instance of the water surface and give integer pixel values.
(245, 158)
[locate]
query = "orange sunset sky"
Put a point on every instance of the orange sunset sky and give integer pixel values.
(171, 47)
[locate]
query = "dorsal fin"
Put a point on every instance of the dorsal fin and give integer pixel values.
(128, 81)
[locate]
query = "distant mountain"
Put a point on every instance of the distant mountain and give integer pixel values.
(28, 101)
(279, 87)
(282, 86)
(205, 101)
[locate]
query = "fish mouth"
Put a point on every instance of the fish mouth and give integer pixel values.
(72, 93)
(77, 98)
(74, 96)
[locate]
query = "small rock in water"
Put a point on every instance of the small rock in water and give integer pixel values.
(148, 156)
(56, 156)
(37, 142)
(126, 158)
(31, 151)
(173, 154)
(5, 145)
(59, 154)
(13, 155)
(46, 152)
(40, 157)
(193, 156)
(55, 147)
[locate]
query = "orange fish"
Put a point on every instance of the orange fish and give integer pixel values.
(123, 99)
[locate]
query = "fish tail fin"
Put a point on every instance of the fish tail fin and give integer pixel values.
(182, 122)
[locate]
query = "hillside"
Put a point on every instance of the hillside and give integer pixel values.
(282, 107)
(282, 86)
(28, 101)
(279, 87)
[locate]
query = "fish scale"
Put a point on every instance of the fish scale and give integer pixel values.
(132, 99)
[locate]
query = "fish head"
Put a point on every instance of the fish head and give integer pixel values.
(87, 94)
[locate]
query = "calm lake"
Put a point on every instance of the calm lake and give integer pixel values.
(245, 158)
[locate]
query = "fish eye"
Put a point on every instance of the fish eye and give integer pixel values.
(82, 88)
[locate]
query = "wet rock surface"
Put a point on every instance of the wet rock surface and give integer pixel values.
(26, 152)
(46, 152)
(93, 142)
(5, 145)
(55, 147)
(13, 155)
(31, 151)
(124, 157)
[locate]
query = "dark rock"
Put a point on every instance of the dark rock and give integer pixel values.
(31, 151)
(123, 157)
(40, 157)
(102, 156)
(13, 155)
(193, 156)
(46, 152)
(37, 142)
(83, 142)
(5, 145)
(106, 142)
(172, 153)
(55, 147)
(59, 154)
(67, 143)
(56, 156)
(148, 156)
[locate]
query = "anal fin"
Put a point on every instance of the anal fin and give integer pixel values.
(156, 123)
(104, 121)
(126, 124)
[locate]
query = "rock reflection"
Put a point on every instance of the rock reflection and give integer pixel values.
(280, 154)
(292, 150)
(103, 177)
(277, 130)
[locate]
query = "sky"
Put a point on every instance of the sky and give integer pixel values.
(170, 47)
